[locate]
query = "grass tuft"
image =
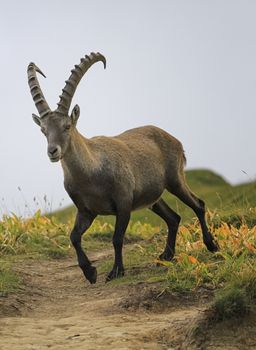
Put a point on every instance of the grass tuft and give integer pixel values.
(229, 303)
(237, 298)
(9, 281)
(38, 234)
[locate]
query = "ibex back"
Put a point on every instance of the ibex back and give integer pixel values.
(114, 175)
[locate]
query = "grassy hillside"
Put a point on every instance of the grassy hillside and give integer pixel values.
(233, 204)
(230, 272)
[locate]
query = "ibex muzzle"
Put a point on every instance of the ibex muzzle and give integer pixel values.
(57, 132)
(114, 175)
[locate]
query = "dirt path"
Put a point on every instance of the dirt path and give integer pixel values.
(59, 310)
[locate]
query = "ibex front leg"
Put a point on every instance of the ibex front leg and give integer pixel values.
(122, 220)
(82, 223)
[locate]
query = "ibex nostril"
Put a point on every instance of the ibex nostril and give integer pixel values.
(52, 151)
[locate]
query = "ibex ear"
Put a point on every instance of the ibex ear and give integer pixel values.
(36, 119)
(75, 114)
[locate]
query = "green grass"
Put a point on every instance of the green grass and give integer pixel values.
(193, 266)
(237, 298)
(38, 235)
(9, 281)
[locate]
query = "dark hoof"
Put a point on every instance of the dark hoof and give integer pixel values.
(212, 245)
(91, 274)
(166, 256)
(115, 273)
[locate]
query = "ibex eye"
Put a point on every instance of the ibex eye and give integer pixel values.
(67, 127)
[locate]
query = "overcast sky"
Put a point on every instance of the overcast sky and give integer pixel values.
(188, 67)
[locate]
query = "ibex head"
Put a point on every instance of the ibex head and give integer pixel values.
(58, 125)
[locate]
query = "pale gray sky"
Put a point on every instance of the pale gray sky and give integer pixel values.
(186, 66)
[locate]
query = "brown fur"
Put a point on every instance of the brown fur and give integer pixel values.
(131, 169)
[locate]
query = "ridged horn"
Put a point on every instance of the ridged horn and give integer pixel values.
(76, 75)
(36, 92)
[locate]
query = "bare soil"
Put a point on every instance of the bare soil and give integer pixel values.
(58, 309)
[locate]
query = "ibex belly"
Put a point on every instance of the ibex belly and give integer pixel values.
(91, 198)
(105, 200)
(146, 196)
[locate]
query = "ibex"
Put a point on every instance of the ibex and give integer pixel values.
(114, 175)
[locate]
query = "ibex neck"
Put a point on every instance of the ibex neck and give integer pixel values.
(76, 156)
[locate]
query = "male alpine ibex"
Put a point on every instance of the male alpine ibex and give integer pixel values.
(114, 175)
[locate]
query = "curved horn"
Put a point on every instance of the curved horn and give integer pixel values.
(36, 92)
(76, 75)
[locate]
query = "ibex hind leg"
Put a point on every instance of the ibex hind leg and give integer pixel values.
(172, 220)
(186, 196)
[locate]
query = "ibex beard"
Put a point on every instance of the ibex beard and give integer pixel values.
(114, 175)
